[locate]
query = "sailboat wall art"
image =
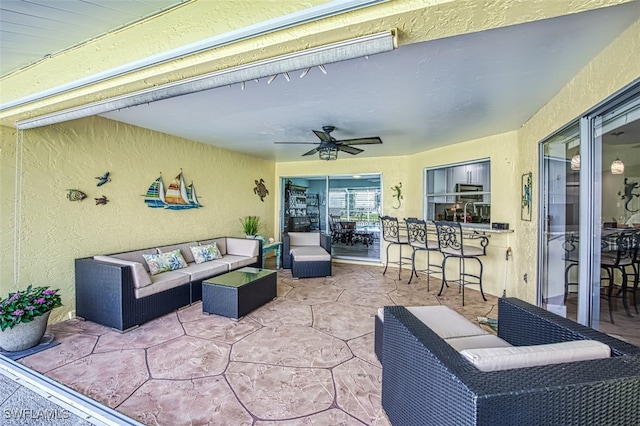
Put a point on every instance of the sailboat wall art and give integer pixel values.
(178, 196)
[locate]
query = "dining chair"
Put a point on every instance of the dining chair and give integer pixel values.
(571, 260)
(418, 235)
(392, 235)
(618, 252)
(451, 245)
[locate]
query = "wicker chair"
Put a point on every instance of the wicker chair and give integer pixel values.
(427, 382)
(307, 254)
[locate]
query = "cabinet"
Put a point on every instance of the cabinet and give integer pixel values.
(295, 214)
(313, 211)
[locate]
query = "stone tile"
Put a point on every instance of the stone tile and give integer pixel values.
(342, 320)
(411, 297)
(207, 401)
(366, 282)
(187, 357)
(313, 295)
(363, 348)
(75, 326)
(7, 388)
(283, 311)
(281, 393)
(109, 378)
(359, 390)
(292, 347)
(160, 330)
(222, 329)
(71, 348)
(332, 417)
(191, 313)
(283, 288)
(365, 298)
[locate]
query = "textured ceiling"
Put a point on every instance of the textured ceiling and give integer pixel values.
(418, 97)
(31, 30)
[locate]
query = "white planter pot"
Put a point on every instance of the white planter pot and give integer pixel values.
(24, 335)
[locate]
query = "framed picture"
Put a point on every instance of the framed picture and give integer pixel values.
(525, 204)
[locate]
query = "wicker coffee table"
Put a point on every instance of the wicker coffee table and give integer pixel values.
(238, 292)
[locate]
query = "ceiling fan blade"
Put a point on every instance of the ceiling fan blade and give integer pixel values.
(313, 151)
(349, 149)
(361, 141)
(324, 136)
(299, 143)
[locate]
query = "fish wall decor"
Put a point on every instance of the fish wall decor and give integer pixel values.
(75, 195)
(103, 179)
(102, 200)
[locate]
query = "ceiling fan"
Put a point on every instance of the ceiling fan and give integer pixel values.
(329, 146)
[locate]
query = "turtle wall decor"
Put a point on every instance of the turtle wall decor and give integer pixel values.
(260, 189)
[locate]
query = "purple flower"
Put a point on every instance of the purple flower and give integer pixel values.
(18, 312)
(49, 292)
(40, 301)
(30, 308)
(2, 312)
(14, 297)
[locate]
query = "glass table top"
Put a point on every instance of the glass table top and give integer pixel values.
(240, 277)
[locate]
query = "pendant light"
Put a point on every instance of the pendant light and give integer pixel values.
(575, 161)
(617, 167)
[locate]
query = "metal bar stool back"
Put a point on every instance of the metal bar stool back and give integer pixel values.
(618, 252)
(451, 243)
(392, 235)
(419, 240)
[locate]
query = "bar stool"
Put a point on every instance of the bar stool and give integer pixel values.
(618, 252)
(391, 234)
(419, 241)
(452, 245)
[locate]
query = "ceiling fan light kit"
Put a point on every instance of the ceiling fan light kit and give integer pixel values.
(329, 146)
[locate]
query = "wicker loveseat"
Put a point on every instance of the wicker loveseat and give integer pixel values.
(118, 291)
(307, 254)
(425, 381)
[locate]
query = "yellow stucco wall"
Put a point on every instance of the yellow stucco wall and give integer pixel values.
(615, 68)
(54, 231)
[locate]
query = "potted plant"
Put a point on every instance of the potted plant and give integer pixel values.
(24, 315)
(250, 225)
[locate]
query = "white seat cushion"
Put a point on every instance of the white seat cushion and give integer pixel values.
(445, 322)
(474, 342)
(310, 254)
(495, 359)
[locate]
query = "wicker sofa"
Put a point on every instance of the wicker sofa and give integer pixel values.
(118, 291)
(307, 254)
(426, 381)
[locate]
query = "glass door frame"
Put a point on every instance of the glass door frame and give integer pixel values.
(589, 232)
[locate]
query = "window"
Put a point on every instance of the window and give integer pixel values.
(459, 192)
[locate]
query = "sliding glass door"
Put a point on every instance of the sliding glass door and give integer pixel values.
(347, 207)
(590, 218)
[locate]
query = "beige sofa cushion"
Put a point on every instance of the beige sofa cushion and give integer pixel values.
(495, 359)
(243, 247)
(236, 262)
(445, 322)
(201, 271)
(141, 277)
(310, 254)
(184, 250)
(304, 239)
(162, 282)
(136, 256)
(220, 242)
(474, 342)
